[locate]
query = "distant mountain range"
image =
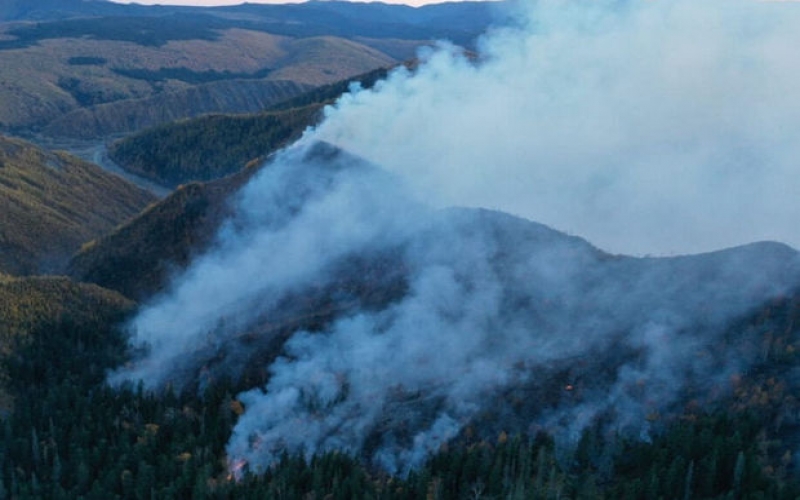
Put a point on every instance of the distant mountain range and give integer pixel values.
(90, 68)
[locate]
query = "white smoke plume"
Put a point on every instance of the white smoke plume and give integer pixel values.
(645, 127)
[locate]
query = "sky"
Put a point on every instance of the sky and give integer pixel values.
(200, 3)
(211, 3)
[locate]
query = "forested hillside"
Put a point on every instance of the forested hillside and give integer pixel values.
(138, 258)
(210, 147)
(34, 307)
(72, 436)
(93, 69)
(213, 146)
(52, 203)
(731, 437)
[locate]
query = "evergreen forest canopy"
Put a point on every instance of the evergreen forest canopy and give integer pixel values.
(70, 435)
(213, 146)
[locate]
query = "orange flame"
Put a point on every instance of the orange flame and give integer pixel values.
(236, 469)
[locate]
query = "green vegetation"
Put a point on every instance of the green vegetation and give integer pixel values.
(71, 436)
(31, 306)
(214, 146)
(52, 203)
(86, 61)
(138, 257)
(208, 148)
(741, 448)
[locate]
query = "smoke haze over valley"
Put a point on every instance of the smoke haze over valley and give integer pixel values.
(642, 128)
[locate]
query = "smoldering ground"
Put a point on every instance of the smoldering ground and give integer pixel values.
(661, 127)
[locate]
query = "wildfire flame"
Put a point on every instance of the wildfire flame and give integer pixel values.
(236, 469)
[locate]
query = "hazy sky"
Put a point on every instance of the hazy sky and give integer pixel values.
(208, 3)
(203, 3)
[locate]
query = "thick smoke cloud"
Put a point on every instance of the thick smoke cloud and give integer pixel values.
(657, 127)
(645, 127)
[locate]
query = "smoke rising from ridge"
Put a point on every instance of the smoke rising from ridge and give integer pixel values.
(657, 127)
(605, 120)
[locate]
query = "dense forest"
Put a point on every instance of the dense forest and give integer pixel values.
(54, 202)
(213, 146)
(70, 435)
(210, 148)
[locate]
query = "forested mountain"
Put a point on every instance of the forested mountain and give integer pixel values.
(728, 435)
(602, 313)
(29, 307)
(210, 147)
(213, 146)
(52, 203)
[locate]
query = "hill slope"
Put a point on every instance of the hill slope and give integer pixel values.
(213, 146)
(52, 203)
(31, 307)
(458, 330)
(210, 147)
(138, 258)
(131, 115)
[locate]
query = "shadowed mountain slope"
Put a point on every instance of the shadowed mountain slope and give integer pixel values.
(138, 258)
(213, 146)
